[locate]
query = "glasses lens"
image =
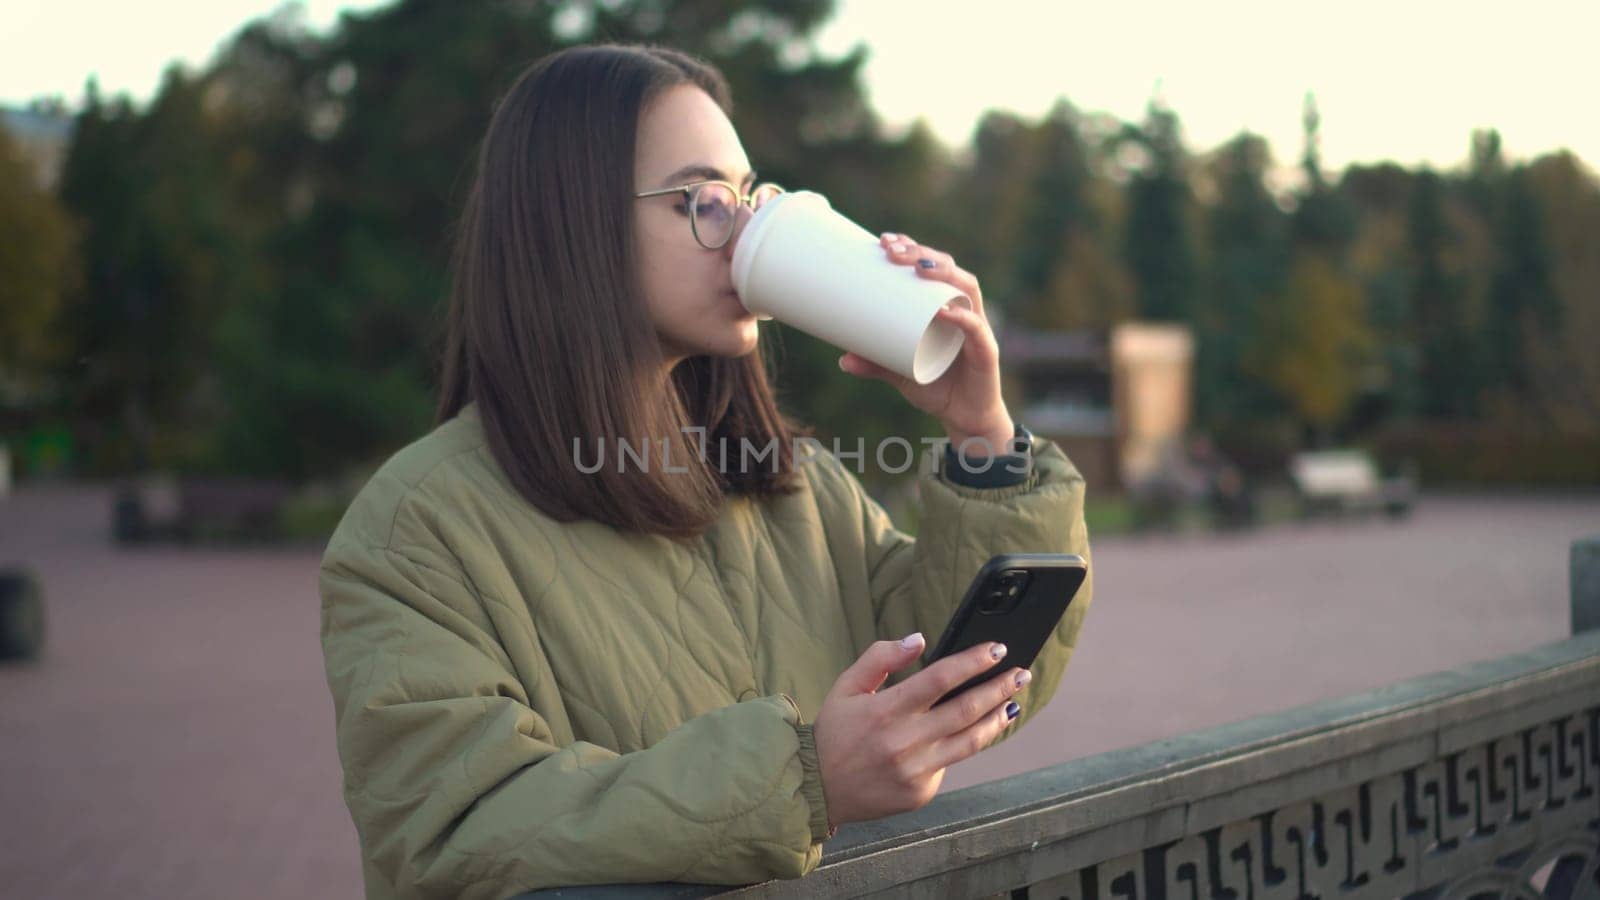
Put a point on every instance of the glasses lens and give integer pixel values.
(713, 207)
(763, 193)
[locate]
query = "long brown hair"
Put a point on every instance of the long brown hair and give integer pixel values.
(548, 331)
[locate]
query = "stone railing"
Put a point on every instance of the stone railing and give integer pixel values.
(1478, 783)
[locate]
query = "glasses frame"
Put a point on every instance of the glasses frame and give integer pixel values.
(689, 189)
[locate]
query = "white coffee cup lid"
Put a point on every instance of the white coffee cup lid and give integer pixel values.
(756, 231)
(873, 307)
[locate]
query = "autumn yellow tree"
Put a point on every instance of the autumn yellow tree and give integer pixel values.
(1565, 366)
(1315, 344)
(36, 269)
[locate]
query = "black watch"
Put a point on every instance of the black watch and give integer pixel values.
(1023, 441)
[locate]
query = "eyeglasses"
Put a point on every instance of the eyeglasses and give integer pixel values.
(713, 206)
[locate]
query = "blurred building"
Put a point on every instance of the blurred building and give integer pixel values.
(43, 134)
(1118, 401)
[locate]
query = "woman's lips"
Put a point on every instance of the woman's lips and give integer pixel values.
(739, 307)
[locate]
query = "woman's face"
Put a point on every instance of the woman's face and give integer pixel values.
(685, 137)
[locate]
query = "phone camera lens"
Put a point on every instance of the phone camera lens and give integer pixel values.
(1016, 580)
(1004, 591)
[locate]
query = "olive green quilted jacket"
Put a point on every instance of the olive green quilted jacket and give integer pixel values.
(522, 703)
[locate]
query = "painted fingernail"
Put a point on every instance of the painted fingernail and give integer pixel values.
(898, 248)
(911, 641)
(1012, 710)
(997, 652)
(1024, 677)
(926, 263)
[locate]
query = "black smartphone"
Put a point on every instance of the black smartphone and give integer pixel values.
(1016, 599)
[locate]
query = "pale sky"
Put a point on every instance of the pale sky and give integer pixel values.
(1406, 80)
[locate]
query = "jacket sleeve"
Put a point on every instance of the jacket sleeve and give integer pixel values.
(916, 583)
(458, 788)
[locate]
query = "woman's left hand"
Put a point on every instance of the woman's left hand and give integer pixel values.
(966, 398)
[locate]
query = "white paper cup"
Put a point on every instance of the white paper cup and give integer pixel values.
(805, 265)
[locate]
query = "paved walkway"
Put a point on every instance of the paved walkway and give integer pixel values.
(176, 741)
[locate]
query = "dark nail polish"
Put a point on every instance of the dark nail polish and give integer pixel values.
(925, 263)
(1012, 710)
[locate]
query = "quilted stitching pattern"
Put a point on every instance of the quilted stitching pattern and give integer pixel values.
(523, 703)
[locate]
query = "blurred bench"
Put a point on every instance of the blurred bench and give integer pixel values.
(1348, 481)
(195, 506)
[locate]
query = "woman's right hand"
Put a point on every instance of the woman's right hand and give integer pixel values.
(882, 753)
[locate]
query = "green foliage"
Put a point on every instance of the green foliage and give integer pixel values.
(38, 266)
(1031, 214)
(1450, 378)
(262, 255)
(1247, 242)
(1563, 365)
(1159, 240)
(1522, 299)
(1314, 342)
(164, 250)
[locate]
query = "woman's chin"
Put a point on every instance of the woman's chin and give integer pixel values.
(730, 331)
(745, 338)
(739, 340)
(743, 332)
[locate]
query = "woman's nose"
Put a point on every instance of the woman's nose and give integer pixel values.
(741, 218)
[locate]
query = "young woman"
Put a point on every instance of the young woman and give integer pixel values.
(671, 666)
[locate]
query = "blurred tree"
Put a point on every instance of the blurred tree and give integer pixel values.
(1090, 290)
(1158, 240)
(1314, 343)
(989, 192)
(1486, 169)
(1041, 249)
(1563, 364)
(1522, 300)
(38, 266)
(1380, 197)
(1449, 371)
(1067, 262)
(160, 253)
(328, 364)
(1324, 219)
(1247, 239)
(1055, 207)
(350, 155)
(264, 251)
